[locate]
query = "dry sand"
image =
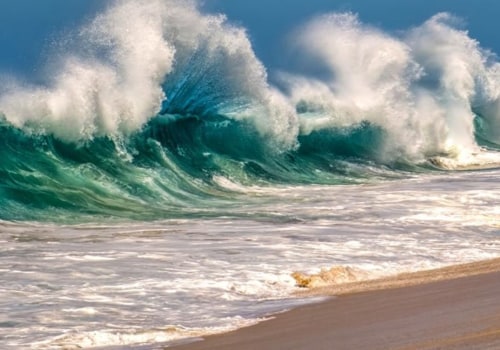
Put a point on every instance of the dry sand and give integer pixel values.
(453, 308)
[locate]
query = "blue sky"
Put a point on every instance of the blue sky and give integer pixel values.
(27, 27)
(270, 22)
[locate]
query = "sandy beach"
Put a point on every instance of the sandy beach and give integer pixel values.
(452, 308)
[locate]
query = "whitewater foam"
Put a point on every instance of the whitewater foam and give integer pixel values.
(203, 274)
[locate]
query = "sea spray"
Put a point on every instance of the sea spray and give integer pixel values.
(421, 87)
(121, 71)
(114, 87)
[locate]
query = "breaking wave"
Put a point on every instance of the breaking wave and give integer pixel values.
(155, 101)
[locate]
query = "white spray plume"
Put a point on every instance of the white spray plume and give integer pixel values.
(90, 96)
(115, 87)
(419, 87)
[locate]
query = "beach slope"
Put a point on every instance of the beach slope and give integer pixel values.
(454, 308)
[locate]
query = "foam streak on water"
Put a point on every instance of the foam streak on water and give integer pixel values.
(139, 284)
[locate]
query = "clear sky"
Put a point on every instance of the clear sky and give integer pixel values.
(271, 21)
(27, 27)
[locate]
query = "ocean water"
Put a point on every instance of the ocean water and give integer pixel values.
(156, 186)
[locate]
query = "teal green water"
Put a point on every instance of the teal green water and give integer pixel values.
(163, 171)
(167, 170)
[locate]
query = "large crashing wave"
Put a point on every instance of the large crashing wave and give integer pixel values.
(155, 102)
(423, 89)
(114, 84)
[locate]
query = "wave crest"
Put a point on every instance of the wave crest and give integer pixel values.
(115, 86)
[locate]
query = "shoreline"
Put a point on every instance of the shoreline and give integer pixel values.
(455, 307)
(406, 279)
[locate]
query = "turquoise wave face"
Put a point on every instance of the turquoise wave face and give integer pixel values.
(166, 169)
(163, 171)
(170, 169)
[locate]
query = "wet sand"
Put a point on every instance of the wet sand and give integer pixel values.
(453, 308)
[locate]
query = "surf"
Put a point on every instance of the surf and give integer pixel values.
(155, 102)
